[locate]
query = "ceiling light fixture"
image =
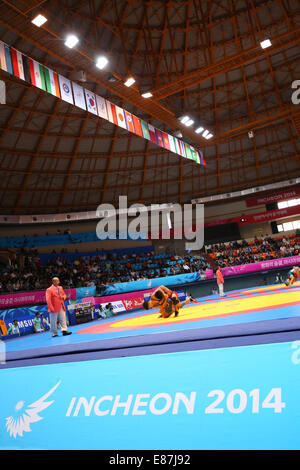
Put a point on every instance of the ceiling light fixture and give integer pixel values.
(189, 122)
(71, 41)
(184, 119)
(39, 20)
(129, 82)
(101, 62)
(205, 133)
(148, 94)
(266, 43)
(199, 130)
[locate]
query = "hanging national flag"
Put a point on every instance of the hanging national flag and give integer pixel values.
(91, 101)
(51, 81)
(54, 83)
(101, 106)
(201, 157)
(145, 130)
(26, 69)
(39, 77)
(188, 152)
(65, 89)
(182, 149)
(137, 126)
(195, 155)
(159, 138)
(31, 69)
(37, 74)
(166, 140)
(8, 59)
(152, 134)
(172, 143)
(177, 146)
(111, 111)
(121, 117)
(3, 65)
(17, 63)
(78, 93)
(2, 92)
(47, 80)
(129, 121)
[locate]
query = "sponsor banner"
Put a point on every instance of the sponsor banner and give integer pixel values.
(123, 287)
(127, 301)
(283, 196)
(113, 298)
(24, 317)
(136, 302)
(259, 217)
(273, 215)
(244, 403)
(29, 298)
(255, 267)
(118, 306)
(82, 292)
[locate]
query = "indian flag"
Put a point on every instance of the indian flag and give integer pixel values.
(52, 83)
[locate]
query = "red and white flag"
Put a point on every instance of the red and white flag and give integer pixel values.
(111, 111)
(121, 117)
(17, 62)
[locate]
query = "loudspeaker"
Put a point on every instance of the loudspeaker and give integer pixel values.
(274, 227)
(272, 206)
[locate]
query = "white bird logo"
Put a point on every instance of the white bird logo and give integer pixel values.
(16, 425)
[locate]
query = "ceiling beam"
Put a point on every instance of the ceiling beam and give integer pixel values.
(229, 63)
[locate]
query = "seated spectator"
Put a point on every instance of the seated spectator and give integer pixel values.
(37, 323)
(101, 312)
(109, 312)
(14, 328)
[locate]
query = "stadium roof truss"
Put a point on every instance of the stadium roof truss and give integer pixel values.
(201, 58)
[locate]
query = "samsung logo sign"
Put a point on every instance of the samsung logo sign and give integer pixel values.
(140, 404)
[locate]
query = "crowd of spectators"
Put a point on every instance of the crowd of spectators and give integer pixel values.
(260, 249)
(26, 272)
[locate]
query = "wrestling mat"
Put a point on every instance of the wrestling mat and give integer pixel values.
(253, 316)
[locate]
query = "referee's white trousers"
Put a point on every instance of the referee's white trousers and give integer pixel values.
(221, 289)
(56, 318)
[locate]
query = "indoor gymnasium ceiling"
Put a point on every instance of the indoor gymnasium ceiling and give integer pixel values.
(201, 58)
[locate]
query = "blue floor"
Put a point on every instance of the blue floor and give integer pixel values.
(45, 342)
